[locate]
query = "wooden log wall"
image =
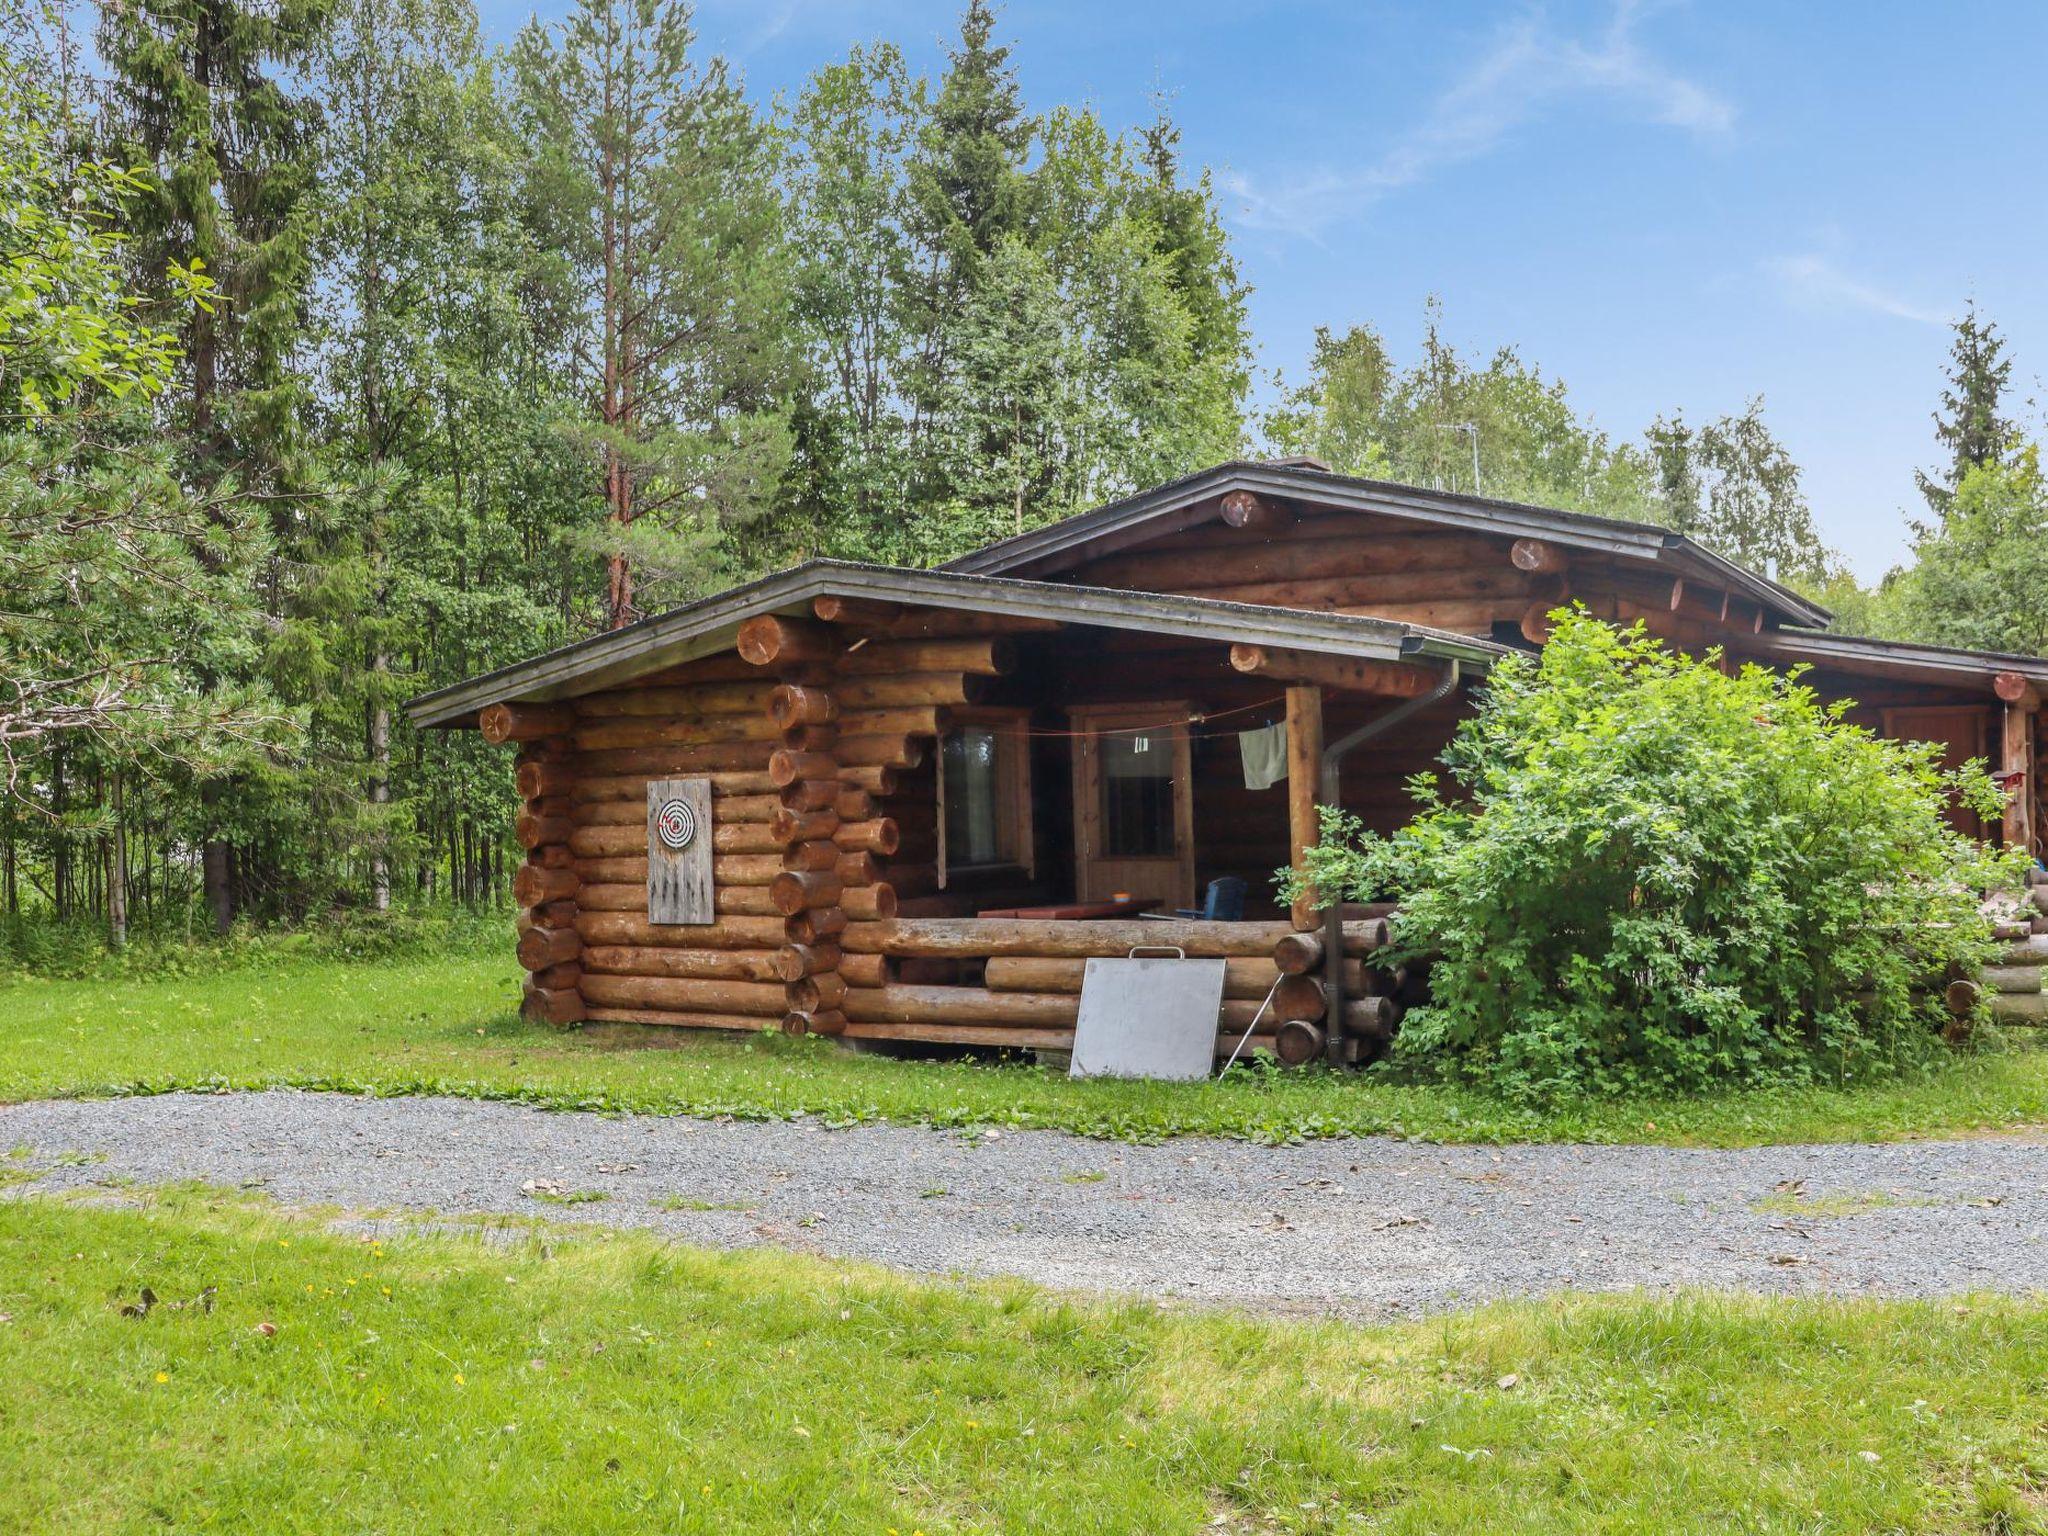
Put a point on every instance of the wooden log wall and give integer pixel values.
(2015, 984)
(706, 718)
(803, 732)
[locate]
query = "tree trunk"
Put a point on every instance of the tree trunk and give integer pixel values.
(117, 871)
(380, 783)
(60, 847)
(213, 863)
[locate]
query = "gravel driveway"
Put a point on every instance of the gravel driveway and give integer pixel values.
(1356, 1227)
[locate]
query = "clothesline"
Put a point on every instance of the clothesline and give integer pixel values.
(1168, 729)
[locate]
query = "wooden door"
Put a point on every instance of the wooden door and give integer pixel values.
(1134, 810)
(1960, 730)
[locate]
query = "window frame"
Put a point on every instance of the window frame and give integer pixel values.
(1014, 832)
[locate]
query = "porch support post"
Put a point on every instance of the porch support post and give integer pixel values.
(1304, 775)
(2018, 758)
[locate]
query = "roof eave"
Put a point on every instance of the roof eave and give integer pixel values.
(1973, 665)
(708, 626)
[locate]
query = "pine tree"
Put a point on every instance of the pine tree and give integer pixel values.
(655, 179)
(1969, 424)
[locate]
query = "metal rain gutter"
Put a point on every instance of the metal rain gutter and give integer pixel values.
(1327, 794)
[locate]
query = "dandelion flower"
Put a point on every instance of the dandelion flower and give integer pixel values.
(163, 1375)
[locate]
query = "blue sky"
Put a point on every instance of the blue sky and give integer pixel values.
(1666, 205)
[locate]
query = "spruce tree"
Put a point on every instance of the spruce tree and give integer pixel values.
(1969, 424)
(970, 181)
(199, 98)
(968, 192)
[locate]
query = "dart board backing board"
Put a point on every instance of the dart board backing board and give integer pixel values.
(679, 851)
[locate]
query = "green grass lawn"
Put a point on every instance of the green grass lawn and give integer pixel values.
(535, 1378)
(448, 1026)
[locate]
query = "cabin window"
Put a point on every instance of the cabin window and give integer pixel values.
(1137, 795)
(985, 793)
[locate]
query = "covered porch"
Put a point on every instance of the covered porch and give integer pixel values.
(1085, 788)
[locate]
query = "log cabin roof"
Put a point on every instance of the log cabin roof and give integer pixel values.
(1193, 499)
(1896, 658)
(710, 625)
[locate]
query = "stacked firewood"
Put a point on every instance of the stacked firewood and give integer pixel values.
(2012, 986)
(1376, 991)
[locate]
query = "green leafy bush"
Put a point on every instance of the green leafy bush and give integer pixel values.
(1660, 877)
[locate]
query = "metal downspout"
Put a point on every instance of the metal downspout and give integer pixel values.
(1327, 791)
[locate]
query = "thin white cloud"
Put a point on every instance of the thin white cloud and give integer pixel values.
(1527, 69)
(1817, 282)
(746, 26)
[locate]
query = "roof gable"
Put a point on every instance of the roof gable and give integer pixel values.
(1195, 499)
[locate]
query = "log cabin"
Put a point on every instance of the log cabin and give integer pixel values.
(886, 804)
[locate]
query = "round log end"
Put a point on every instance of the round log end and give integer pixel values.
(799, 1022)
(1241, 509)
(1536, 557)
(760, 639)
(795, 891)
(793, 962)
(1298, 1042)
(815, 927)
(1298, 953)
(1299, 997)
(552, 1007)
(808, 794)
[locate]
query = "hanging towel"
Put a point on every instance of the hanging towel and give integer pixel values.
(1265, 755)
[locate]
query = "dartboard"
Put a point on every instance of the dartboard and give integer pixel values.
(676, 825)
